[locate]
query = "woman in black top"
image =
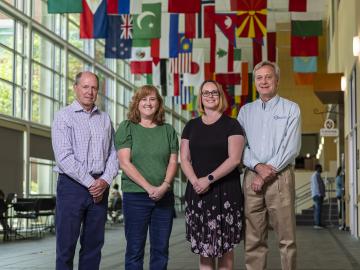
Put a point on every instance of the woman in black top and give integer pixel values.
(211, 150)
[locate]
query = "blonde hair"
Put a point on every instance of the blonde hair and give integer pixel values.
(223, 104)
(143, 91)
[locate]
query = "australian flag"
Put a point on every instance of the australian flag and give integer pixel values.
(119, 41)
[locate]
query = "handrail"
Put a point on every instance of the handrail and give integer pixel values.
(303, 194)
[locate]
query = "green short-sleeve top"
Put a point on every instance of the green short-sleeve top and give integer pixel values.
(150, 151)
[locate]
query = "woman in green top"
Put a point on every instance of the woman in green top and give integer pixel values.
(147, 152)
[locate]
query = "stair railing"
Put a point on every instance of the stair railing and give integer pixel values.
(302, 195)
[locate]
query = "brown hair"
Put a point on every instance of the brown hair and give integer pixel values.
(223, 104)
(143, 91)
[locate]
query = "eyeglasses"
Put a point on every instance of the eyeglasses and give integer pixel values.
(213, 93)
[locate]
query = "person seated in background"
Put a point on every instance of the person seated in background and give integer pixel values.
(3, 209)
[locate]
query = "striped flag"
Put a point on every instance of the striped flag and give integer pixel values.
(93, 19)
(306, 24)
(169, 41)
(202, 24)
(123, 7)
(65, 6)
(264, 48)
(182, 63)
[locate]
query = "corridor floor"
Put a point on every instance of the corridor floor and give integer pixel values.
(328, 249)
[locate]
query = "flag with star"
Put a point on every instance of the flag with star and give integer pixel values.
(182, 63)
(147, 25)
(251, 18)
(119, 41)
(93, 19)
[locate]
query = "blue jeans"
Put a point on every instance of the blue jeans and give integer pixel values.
(76, 209)
(140, 215)
(318, 202)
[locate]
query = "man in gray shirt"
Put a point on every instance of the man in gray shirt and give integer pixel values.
(272, 127)
(83, 143)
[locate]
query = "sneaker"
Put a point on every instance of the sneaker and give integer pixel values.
(318, 227)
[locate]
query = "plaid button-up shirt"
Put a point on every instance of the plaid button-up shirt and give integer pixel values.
(83, 144)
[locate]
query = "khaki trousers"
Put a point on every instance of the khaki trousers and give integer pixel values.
(274, 206)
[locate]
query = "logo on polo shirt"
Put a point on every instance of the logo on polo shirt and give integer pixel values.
(276, 117)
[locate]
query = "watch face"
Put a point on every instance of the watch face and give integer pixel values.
(210, 177)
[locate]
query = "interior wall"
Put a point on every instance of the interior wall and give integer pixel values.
(342, 60)
(303, 95)
(11, 160)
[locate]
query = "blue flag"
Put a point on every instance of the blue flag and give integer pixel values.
(119, 41)
(305, 64)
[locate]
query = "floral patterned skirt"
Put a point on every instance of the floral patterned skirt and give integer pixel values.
(214, 220)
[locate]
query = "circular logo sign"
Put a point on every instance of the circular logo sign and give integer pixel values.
(329, 124)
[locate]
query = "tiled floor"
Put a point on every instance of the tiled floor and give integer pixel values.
(328, 249)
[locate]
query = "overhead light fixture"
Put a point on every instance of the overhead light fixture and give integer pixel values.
(356, 46)
(343, 83)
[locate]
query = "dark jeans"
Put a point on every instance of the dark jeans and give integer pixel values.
(76, 209)
(140, 215)
(318, 202)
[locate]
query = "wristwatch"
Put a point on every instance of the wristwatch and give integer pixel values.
(210, 177)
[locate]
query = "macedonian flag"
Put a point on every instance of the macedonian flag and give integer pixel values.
(251, 20)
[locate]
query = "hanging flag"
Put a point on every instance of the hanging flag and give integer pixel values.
(304, 78)
(306, 24)
(65, 6)
(297, 5)
(141, 60)
(271, 46)
(224, 54)
(172, 83)
(246, 45)
(264, 48)
(169, 41)
(251, 18)
(202, 24)
(305, 64)
(307, 5)
(237, 60)
(119, 41)
(228, 78)
(197, 75)
(304, 46)
(123, 6)
(93, 19)
(192, 105)
(181, 6)
(258, 44)
(182, 63)
(185, 96)
(227, 23)
(223, 6)
(244, 78)
(147, 25)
